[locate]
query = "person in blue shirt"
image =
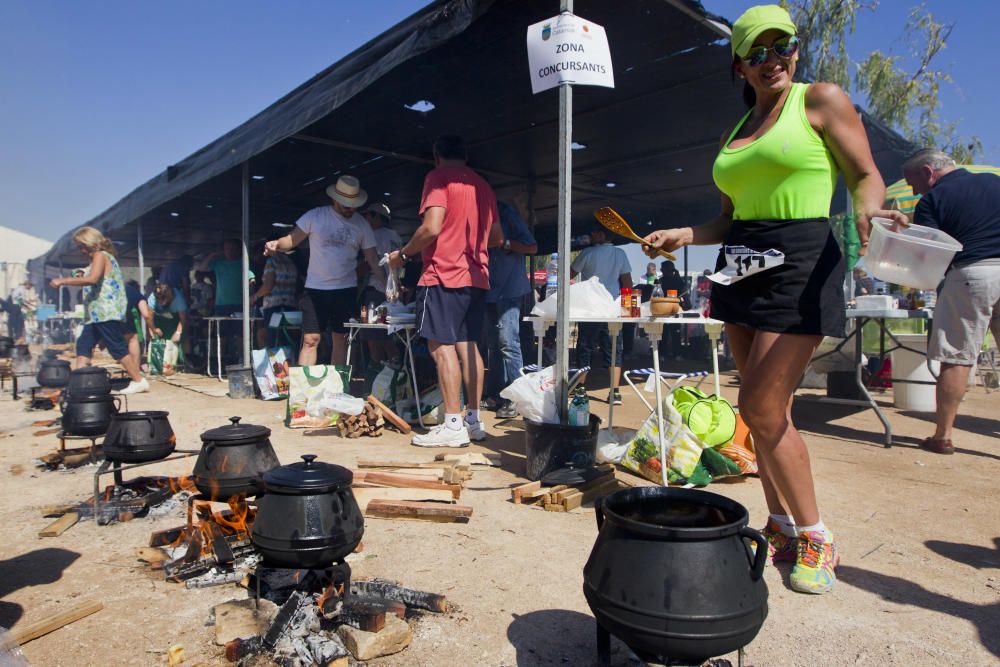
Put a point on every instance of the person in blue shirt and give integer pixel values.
(508, 286)
(611, 266)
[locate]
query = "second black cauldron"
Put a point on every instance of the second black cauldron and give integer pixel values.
(53, 373)
(138, 437)
(307, 517)
(233, 460)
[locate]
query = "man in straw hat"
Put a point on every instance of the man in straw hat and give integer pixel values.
(460, 220)
(335, 236)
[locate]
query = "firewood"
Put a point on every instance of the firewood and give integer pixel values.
(429, 511)
(576, 500)
(518, 492)
(60, 525)
(408, 596)
(25, 633)
(391, 416)
(366, 495)
(401, 480)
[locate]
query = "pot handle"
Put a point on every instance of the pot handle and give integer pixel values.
(118, 403)
(152, 428)
(760, 557)
(599, 511)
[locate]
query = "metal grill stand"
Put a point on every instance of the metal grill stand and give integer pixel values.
(109, 467)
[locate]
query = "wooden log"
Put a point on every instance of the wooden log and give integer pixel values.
(408, 596)
(404, 509)
(373, 463)
(472, 458)
(391, 416)
(48, 431)
(366, 495)
(60, 525)
(387, 479)
(518, 492)
(562, 495)
(23, 634)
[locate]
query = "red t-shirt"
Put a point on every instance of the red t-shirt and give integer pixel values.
(458, 257)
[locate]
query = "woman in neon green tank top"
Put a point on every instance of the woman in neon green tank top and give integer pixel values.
(776, 170)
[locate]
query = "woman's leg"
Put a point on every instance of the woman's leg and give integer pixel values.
(740, 341)
(772, 370)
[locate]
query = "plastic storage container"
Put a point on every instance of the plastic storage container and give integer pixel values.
(913, 257)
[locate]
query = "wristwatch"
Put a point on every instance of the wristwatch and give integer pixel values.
(402, 256)
(506, 245)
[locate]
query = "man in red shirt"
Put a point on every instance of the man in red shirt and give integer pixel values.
(460, 221)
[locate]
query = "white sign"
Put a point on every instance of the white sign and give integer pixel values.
(743, 262)
(568, 49)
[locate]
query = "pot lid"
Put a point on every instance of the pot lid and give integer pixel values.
(55, 362)
(236, 432)
(89, 370)
(310, 476)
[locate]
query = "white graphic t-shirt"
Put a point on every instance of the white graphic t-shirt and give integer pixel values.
(334, 243)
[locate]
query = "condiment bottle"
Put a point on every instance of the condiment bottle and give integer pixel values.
(626, 299)
(635, 304)
(364, 314)
(673, 299)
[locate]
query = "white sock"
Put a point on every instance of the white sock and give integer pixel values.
(818, 527)
(472, 416)
(786, 523)
(454, 422)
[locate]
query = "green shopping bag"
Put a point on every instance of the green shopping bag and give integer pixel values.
(711, 418)
(309, 382)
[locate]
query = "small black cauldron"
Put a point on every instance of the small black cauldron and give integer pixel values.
(89, 415)
(53, 373)
(233, 459)
(138, 437)
(672, 574)
(88, 381)
(307, 517)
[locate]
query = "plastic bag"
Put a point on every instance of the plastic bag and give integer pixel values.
(334, 402)
(387, 384)
(306, 382)
(711, 418)
(587, 298)
(612, 446)
(163, 356)
(534, 396)
(270, 369)
(392, 280)
(683, 449)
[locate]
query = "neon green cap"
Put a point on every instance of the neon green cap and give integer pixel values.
(755, 21)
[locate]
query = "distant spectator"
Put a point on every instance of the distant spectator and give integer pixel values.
(137, 311)
(278, 292)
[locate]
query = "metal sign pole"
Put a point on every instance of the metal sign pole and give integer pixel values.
(142, 260)
(565, 216)
(245, 237)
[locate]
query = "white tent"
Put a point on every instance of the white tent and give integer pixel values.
(16, 248)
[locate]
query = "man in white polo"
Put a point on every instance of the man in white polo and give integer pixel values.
(336, 235)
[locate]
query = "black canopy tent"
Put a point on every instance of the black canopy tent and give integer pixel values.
(460, 66)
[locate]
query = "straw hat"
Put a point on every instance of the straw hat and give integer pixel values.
(347, 192)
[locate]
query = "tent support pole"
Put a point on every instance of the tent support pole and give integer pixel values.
(565, 218)
(245, 238)
(60, 290)
(142, 259)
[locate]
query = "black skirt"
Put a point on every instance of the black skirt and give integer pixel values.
(804, 295)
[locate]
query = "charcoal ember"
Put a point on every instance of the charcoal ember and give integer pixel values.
(305, 621)
(326, 649)
(302, 650)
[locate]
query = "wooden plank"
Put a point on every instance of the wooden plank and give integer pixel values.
(25, 633)
(555, 507)
(550, 496)
(578, 499)
(598, 481)
(59, 510)
(391, 416)
(471, 458)
(372, 463)
(365, 496)
(48, 431)
(401, 480)
(403, 509)
(60, 525)
(517, 492)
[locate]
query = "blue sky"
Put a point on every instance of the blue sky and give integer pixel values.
(99, 97)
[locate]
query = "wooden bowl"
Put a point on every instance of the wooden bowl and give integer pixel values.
(661, 306)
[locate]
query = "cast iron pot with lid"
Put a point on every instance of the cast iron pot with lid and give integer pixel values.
(89, 415)
(53, 373)
(138, 437)
(88, 381)
(307, 517)
(673, 574)
(233, 459)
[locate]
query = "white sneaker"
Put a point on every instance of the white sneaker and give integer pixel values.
(136, 387)
(442, 436)
(476, 431)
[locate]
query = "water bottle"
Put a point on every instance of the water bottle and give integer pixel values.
(579, 408)
(552, 275)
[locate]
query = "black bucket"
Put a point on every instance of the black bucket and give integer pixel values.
(241, 381)
(551, 446)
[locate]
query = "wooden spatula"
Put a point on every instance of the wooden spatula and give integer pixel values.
(609, 218)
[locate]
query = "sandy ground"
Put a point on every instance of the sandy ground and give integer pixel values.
(919, 580)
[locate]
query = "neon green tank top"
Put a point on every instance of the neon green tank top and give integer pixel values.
(786, 174)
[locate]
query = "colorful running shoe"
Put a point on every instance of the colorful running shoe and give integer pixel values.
(814, 563)
(780, 547)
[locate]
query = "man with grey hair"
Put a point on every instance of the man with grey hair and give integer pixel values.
(967, 207)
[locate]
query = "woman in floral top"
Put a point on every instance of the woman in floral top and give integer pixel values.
(104, 304)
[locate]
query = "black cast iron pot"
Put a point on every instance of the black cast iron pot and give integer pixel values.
(89, 415)
(6, 346)
(233, 459)
(138, 437)
(672, 573)
(307, 517)
(88, 381)
(53, 373)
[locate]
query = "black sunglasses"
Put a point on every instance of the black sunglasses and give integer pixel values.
(783, 48)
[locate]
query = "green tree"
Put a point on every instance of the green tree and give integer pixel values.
(905, 100)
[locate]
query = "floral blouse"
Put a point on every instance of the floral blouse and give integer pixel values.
(105, 301)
